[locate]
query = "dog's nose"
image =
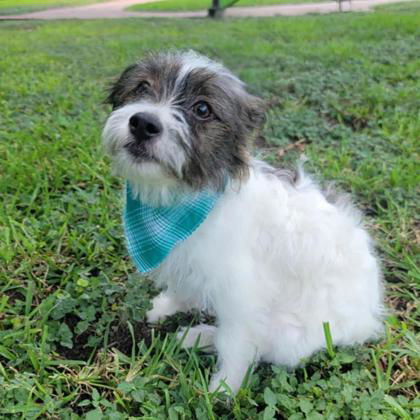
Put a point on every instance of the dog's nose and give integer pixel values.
(144, 126)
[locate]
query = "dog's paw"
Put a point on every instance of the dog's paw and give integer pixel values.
(225, 383)
(163, 306)
(220, 383)
(154, 316)
(202, 335)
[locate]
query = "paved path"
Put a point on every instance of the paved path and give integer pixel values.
(109, 10)
(115, 9)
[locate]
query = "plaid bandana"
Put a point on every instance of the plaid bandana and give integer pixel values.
(152, 232)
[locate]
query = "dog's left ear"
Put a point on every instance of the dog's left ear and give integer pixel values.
(118, 87)
(254, 109)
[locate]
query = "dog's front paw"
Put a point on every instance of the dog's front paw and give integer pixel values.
(163, 306)
(221, 382)
(154, 316)
(201, 335)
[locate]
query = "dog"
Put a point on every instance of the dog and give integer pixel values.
(275, 257)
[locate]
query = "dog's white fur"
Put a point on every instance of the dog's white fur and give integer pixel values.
(273, 261)
(147, 179)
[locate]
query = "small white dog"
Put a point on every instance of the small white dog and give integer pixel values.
(273, 257)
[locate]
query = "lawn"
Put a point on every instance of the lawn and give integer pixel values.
(187, 5)
(10, 7)
(73, 342)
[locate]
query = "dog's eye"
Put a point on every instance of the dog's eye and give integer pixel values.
(142, 87)
(202, 110)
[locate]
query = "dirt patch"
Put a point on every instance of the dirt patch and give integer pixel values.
(120, 336)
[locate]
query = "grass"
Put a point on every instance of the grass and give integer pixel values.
(73, 341)
(11, 7)
(188, 5)
(413, 5)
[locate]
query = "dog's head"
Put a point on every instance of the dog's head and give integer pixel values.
(180, 118)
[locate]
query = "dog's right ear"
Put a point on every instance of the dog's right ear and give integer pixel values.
(118, 88)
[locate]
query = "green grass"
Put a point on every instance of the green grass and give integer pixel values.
(73, 341)
(11, 7)
(188, 5)
(413, 5)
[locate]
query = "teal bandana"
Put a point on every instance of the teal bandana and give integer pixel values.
(152, 232)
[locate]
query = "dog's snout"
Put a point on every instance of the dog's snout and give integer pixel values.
(144, 126)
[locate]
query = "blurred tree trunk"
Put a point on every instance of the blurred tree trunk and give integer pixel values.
(217, 8)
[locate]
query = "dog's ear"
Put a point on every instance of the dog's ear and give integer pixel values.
(254, 109)
(118, 87)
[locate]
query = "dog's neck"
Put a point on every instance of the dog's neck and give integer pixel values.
(164, 192)
(162, 195)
